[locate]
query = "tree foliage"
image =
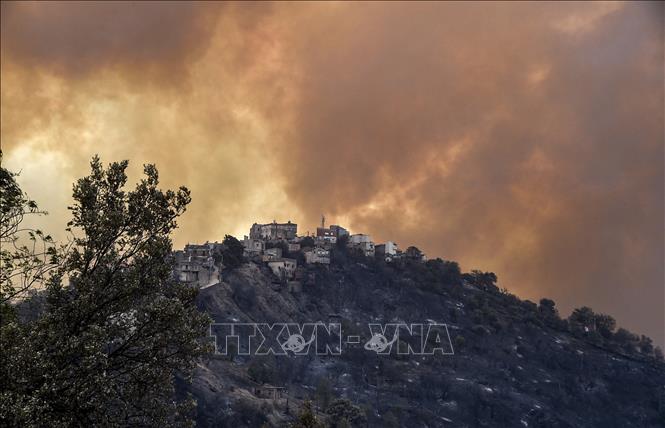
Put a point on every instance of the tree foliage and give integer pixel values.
(307, 418)
(547, 308)
(582, 319)
(343, 413)
(232, 253)
(483, 280)
(605, 324)
(307, 241)
(116, 328)
(27, 255)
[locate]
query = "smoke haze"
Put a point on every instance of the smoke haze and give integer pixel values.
(522, 138)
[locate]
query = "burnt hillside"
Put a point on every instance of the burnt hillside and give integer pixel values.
(515, 363)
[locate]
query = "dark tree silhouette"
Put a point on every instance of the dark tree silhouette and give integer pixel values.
(117, 327)
(232, 253)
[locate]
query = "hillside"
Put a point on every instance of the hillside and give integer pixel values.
(515, 363)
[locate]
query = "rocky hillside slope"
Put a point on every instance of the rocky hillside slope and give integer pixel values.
(515, 363)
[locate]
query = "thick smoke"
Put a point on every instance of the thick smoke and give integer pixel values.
(523, 138)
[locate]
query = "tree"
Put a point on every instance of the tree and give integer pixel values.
(340, 251)
(306, 418)
(343, 413)
(547, 308)
(307, 241)
(626, 339)
(646, 345)
(445, 271)
(282, 245)
(116, 328)
(27, 256)
(605, 325)
(483, 280)
(232, 253)
(413, 253)
(582, 319)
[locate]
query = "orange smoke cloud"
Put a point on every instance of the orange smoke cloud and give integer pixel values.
(525, 138)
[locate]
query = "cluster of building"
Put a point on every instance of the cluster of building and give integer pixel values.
(276, 244)
(198, 264)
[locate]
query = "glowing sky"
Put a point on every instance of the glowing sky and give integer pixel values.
(522, 138)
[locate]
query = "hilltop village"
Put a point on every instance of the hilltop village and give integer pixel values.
(279, 246)
(515, 362)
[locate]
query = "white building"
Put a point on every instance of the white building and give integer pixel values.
(326, 234)
(274, 231)
(318, 255)
(283, 268)
(362, 242)
(253, 247)
(274, 253)
(330, 234)
(196, 264)
(388, 250)
(338, 230)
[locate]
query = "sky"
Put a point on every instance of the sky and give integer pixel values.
(525, 139)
